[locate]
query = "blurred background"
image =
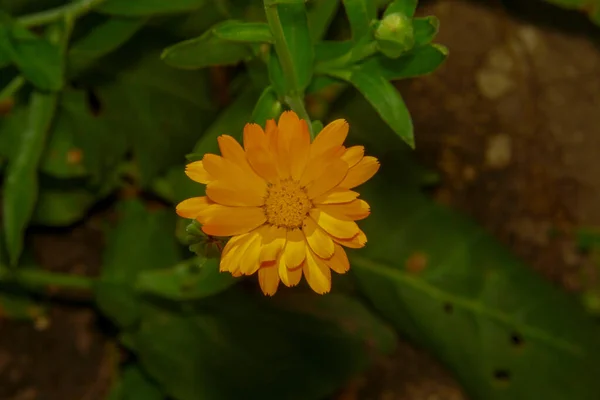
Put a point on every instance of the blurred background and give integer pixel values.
(510, 125)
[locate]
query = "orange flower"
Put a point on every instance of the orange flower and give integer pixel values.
(286, 201)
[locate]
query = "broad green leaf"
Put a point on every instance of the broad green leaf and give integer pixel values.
(425, 29)
(39, 61)
(384, 97)
(133, 384)
(406, 7)
(135, 8)
(101, 40)
(420, 61)
(205, 51)
(21, 181)
(320, 15)
(235, 346)
(267, 107)
(293, 43)
(451, 288)
(189, 280)
(236, 31)
(361, 13)
(143, 240)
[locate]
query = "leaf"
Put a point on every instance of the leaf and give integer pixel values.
(142, 241)
(102, 40)
(234, 346)
(133, 384)
(384, 97)
(39, 61)
(186, 280)
(19, 306)
(267, 107)
(451, 288)
(425, 29)
(21, 182)
(421, 61)
(289, 22)
(135, 8)
(236, 31)
(320, 15)
(406, 7)
(205, 51)
(361, 13)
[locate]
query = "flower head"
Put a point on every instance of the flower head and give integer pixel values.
(286, 202)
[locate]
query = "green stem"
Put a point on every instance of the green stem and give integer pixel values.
(12, 87)
(293, 98)
(355, 55)
(76, 9)
(34, 278)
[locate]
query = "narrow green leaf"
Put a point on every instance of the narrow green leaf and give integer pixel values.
(236, 31)
(205, 51)
(189, 280)
(102, 40)
(320, 15)
(425, 29)
(133, 384)
(420, 61)
(39, 61)
(139, 8)
(293, 43)
(267, 107)
(384, 97)
(21, 182)
(406, 7)
(361, 13)
(447, 285)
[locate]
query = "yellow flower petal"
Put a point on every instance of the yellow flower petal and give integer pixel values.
(222, 193)
(272, 245)
(299, 149)
(233, 151)
(319, 241)
(339, 262)
(233, 252)
(295, 248)
(196, 172)
(235, 177)
(268, 279)
(289, 277)
(259, 153)
(356, 210)
(361, 172)
(271, 132)
(287, 127)
(317, 273)
(353, 155)
(317, 166)
(356, 242)
(249, 262)
(328, 180)
(221, 220)
(336, 196)
(337, 226)
(332, 136)
(193, 207)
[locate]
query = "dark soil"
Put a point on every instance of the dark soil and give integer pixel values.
(510, 121)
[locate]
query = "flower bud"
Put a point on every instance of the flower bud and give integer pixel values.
(395, 35)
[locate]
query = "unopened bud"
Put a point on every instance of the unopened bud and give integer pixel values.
(395, 35)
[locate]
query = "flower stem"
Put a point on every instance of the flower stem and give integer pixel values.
(76, 9)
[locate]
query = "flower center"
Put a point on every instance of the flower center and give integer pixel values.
(286, 204)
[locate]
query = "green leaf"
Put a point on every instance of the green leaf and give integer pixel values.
(189, 280)
(235, 346)
(205, 51)
(448, 286)
(421, 61)
(101, 40)
(384, 97)
(21, 182)
(143, 240)
(406, 7)
(39, 61)
(361, 13)
(135, 8)
(293, 43)
(425, 29)
(267, 107)
(320, 15)
(236, 31)
(133, 384)
(19, 306)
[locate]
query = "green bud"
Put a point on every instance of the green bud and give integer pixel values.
(395, 35)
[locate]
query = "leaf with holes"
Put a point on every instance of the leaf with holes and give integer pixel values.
(446, 284)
